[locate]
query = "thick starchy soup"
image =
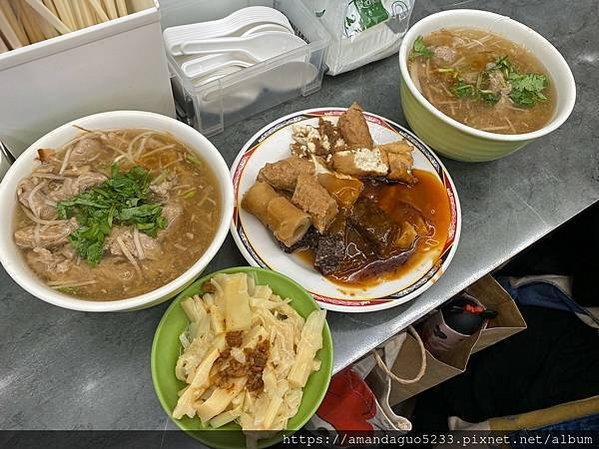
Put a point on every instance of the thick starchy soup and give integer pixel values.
(115, 214)
(482, 80)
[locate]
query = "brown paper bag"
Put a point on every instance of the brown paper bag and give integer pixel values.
(508, 322)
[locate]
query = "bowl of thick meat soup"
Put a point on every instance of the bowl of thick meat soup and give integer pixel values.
(477, 86)
(114, 211)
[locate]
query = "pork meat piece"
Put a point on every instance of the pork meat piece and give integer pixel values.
(50, 236)
(85, 149)
(39, 200)
(171, 211)
(283, 174)
(53, 262)
(354, 128)
(164, 188)
(444, 54)
(70, 187)
(149, 246)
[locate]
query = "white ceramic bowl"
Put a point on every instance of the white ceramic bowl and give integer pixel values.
(454, 139)
(15, 265)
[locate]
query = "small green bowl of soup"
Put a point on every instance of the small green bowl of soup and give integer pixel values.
(477, 86)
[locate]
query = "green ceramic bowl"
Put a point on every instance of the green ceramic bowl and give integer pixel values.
(454, 139)
(166, 349)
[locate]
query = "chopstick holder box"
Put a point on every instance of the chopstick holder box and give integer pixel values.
(119, 64)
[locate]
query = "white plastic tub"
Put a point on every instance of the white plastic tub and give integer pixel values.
(220, 103)
(119, 64)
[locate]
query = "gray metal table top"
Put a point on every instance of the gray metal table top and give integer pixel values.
(68, 370)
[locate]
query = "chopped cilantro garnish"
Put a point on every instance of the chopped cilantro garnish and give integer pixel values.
(420, 49)
(527, 90)
(121, 200)
(462, 89)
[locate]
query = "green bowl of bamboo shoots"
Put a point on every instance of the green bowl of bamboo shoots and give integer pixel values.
(277, 304)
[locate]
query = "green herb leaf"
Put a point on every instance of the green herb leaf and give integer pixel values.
(462, 89)
(527, 90)
(420, 49)
(504, 66)
(121, 200)
(488, 96)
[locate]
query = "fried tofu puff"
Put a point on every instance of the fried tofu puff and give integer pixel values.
(354, 128)
(361, 163)
(283, 174)
(315, 200)
(400, 160)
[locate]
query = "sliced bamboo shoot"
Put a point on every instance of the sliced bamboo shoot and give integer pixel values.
(226, 417)
(310, 342)
(218, 401)
(238, 315)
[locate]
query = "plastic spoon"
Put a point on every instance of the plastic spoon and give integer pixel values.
(233, 25)
(201, 66)
(266, 27)
(217, 74)
(260, 46)
(235, 21)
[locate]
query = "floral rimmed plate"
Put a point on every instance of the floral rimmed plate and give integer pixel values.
(259, 248)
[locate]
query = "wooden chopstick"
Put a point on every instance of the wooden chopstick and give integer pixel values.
(121, 7)
(47, 15)
(3, 47)
(47, 30)
(27, 18)
(8, 31)
(111, 9)
(78, 15)
(50, 5)
(14, 22)
(66, 13)
(97, 7)
(87, 14)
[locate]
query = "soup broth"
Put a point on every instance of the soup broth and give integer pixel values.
(483, 80)
(115, 214)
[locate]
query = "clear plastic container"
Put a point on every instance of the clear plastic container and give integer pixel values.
(212, 106)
